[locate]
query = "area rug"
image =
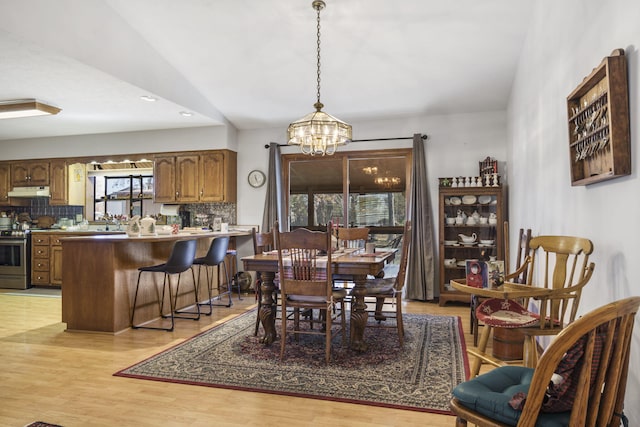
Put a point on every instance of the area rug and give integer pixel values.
(418, 377)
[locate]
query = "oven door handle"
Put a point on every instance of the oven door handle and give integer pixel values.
(12, 241)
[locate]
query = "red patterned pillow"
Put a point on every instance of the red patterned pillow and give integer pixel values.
(505, 313)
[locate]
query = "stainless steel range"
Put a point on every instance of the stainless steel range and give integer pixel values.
(15, 259)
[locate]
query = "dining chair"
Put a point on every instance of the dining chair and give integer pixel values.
(350, 238)
(387, 291)
(215, 257)
(558, 269)
(179, 261)
(262, 242)
(354, 237)
(580, 379)
(304, 266)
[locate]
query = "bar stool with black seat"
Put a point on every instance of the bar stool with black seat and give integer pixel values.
(180, 260)
(215, 257)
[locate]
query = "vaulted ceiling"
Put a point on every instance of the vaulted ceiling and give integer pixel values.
(252, 63)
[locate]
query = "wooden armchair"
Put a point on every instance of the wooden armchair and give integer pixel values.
(558, 268)
(580, 380)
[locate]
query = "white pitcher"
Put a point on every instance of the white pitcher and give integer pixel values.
(133, 228)
(148, 226)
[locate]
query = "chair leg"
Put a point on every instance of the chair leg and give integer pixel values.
(399, 322)
(210, 287)
(482, 348)
(327, 324)
(283, 331)
(160, 303)
(175, 299)
(206, 272)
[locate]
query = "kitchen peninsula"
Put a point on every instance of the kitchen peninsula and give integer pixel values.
(99, 275)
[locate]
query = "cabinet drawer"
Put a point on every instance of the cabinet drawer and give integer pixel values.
(39, 240)
(55, 240)
(41, 251)
(40, 277)
(40, 264)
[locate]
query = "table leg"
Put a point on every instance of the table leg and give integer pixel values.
(268, 309)
(359, 315)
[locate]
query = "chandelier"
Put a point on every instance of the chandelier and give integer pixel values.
(387, 181)
(318, 133)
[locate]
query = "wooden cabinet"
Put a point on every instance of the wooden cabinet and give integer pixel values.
(5, 183)
(40, 263)
(599, 133)
(487, 204)
(55, 257)
(208, 176)
(58, 182)
(46, 256)
(30, 174)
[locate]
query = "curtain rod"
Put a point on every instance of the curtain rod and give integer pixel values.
(424, 138)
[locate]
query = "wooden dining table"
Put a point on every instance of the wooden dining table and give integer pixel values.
(354, 265)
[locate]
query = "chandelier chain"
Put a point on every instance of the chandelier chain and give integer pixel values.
(318, 53)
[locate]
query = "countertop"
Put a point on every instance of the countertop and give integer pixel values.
(122, 237)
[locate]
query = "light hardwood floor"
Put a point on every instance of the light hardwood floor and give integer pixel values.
(66, 378)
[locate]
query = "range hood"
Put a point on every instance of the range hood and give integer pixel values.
(30, 192)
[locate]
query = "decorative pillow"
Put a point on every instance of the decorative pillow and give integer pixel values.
(563, 387)
(505, 313)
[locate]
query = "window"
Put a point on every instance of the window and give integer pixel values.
(359, 189)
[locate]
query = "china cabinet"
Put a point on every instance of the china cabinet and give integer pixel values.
(598, 111)
(470, 227)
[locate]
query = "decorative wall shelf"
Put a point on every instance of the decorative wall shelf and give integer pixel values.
(598, 111)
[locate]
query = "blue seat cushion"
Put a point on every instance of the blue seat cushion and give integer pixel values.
(489, 394)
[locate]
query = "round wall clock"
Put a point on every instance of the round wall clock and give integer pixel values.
(256, 178)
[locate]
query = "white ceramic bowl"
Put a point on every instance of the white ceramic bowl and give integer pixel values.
(450, 262)
(493, 221)
(451, 220)
(450, 242)
(487, 242)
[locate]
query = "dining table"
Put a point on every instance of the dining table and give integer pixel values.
(355, 265)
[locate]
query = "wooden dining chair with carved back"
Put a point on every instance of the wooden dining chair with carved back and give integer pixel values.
(349, 238)
(580, 379)
(304, 266)
(558, 269)
(262, 242)
(387, 291)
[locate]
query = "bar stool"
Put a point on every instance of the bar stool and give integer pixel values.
(215, 257)
(180, 260)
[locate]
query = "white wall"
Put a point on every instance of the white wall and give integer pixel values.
(565, 42)
(455, 146)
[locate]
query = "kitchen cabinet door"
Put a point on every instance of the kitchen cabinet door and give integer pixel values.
(187, 184)
(5, 183)
(212, 177)
(164, 179)
(56, 265)
(59, 185)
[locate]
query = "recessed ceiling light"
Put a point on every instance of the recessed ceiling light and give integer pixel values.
(186, 113)
(148, 98)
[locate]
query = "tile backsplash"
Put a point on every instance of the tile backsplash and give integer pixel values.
(40, 206)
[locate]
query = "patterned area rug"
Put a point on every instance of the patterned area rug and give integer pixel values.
(418, 377)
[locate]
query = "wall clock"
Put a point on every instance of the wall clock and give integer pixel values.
(256, 178)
